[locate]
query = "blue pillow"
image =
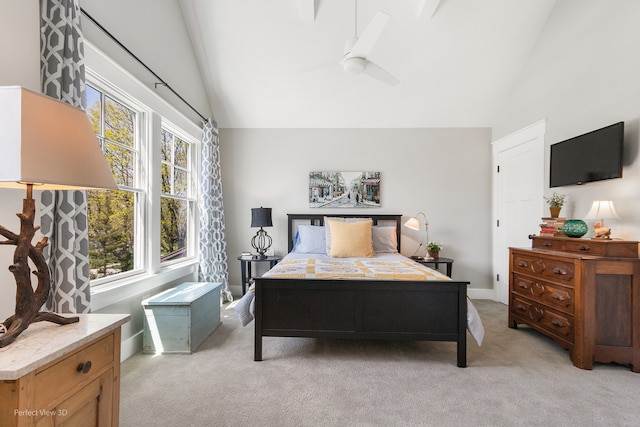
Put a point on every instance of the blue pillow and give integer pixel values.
(310, 239)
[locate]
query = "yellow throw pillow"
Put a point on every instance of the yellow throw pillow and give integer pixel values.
(351, 239)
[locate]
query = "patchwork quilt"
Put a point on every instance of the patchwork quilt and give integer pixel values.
(400, 268)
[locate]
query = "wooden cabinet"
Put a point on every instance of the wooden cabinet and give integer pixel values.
(589, 304)
(63, 375)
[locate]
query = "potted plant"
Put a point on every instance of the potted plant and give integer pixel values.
(433, 248)
(555, 202)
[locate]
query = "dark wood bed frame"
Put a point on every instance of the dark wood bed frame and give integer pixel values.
(360, 309)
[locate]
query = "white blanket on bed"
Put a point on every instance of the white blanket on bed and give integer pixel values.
(246, 306)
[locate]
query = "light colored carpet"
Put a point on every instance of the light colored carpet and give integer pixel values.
(516, 378)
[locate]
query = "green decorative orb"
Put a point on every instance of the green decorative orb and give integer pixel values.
(575, 228)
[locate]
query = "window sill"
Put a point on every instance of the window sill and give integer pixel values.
(108, 294)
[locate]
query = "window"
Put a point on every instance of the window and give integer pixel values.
(133, 136)
(176, 202)
(113, 215)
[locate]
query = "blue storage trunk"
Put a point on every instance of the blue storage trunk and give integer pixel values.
(178, 320)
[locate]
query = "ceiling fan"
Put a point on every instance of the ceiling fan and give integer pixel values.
(357, 49)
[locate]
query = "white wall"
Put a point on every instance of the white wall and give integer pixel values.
(154, 31)
(442, 172)
(583, 75)
(19, 21)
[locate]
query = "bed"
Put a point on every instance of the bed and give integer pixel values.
(293, 303)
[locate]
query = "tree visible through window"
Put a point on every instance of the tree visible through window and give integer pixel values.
(175, 205)
(112, 214)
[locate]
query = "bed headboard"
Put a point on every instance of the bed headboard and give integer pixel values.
(318, 219)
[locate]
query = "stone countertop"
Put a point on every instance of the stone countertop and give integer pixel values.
(43, 342)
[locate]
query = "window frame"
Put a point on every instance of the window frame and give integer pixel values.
(149, 123)
(192, 192)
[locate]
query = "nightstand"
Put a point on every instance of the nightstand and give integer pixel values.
(435, 263)
(245, 264)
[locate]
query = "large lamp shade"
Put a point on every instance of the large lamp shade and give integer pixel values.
(48, 143)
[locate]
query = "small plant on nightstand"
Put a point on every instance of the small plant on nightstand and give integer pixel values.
(433, 248)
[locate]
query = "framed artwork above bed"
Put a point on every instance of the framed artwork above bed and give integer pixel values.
(336, 189)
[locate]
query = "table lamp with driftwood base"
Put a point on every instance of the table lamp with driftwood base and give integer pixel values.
(46, 145)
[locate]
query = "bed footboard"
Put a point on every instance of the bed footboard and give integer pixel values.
(387, 310)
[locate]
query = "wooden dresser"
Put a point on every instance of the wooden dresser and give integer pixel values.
(69, 375)
(583, 293)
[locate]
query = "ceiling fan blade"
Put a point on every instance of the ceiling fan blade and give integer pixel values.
(378, 73)
(370, 35)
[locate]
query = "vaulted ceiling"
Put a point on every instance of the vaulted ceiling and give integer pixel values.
(277, 63)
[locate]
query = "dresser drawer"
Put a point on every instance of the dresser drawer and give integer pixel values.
(541, 317)
(63, 377)
(583, 246)
(549, 268)
(551, 294)
(586, 247)
(557, 323)
(551, 244)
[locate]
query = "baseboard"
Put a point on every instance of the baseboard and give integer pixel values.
(131, 346)
(482, 294)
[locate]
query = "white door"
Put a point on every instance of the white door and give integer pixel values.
(518, 189)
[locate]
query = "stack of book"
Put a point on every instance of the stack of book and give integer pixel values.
(552, 226)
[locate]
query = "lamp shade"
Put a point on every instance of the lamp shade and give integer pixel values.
(602, 209)
(261, 217)
(413, 224)
(48, 143)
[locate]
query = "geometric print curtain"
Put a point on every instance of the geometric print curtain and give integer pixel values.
(64, 213)
(213, 249)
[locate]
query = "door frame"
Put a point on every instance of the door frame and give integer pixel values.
(533, 132)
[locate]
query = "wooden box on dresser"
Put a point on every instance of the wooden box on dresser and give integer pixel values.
(63, 375)
(583, 293)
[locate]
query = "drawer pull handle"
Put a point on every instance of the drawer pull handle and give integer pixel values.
(523, 264)
(558, 323)
(522, 285)
(558, 297)
(84, 367)
(522, 307)
(559, 271)
(547, 244)
(585, 248)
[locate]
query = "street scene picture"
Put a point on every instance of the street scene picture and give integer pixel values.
(328, 189)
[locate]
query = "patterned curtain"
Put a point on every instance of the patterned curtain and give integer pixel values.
(213, 248)
(64, 213)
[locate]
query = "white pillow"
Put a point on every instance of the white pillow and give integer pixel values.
(311, 240)
(341, 219)
(385, 239)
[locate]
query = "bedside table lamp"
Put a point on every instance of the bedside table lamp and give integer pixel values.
(261, 217)
(46, 145)
(414, 224)
(601, 210)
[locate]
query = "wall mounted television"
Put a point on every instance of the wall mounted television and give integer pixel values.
(594, 156)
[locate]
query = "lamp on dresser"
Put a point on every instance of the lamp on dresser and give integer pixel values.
(601, 210)
(261, 242)
(46, 145)
(414, 224)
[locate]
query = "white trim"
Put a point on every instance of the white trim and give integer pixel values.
(534, 131)
(109, 294)
(116, 75)
(130, 346)
(477, 293)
